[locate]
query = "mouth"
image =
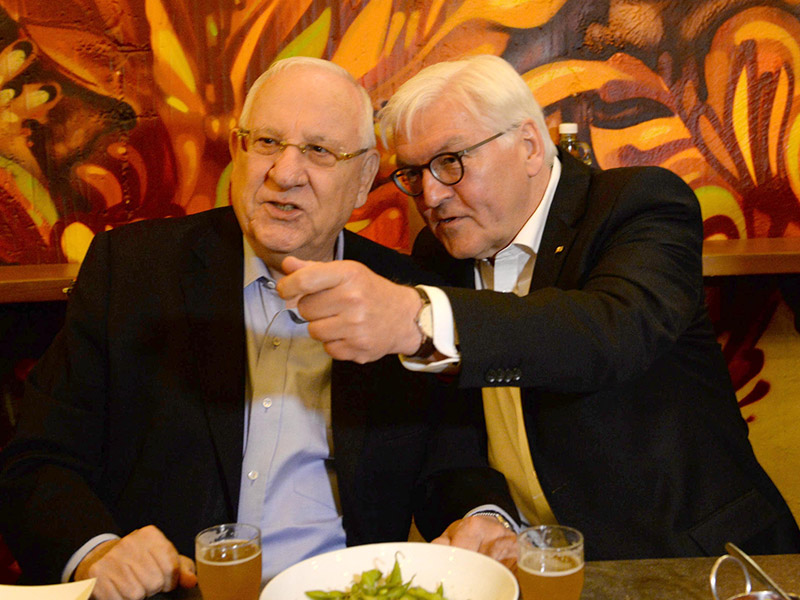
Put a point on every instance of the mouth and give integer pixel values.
(444, 222)
(281, 208)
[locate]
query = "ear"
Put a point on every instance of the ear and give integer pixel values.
(534, 147)
(234, 144)
(369, 169)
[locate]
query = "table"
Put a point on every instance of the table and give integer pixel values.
(681, 578)
(656, 579)
(36, 283)
(751, 256)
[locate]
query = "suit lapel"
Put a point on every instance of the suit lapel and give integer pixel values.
(212, 285)
(569, 205)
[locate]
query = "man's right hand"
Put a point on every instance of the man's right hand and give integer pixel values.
(139, 565)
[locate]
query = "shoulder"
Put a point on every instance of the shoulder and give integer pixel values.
(170, 227)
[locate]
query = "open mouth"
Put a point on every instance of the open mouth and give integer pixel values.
(284, 207)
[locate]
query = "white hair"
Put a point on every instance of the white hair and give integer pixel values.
(487, 87)
(367, 125)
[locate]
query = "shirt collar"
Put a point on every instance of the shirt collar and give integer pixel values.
(530, 236)
(254, 267)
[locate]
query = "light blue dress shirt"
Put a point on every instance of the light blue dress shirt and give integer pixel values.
(287, 488)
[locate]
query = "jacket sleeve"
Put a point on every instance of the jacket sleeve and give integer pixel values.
(630, 285)
(457, 477)
(48, 508)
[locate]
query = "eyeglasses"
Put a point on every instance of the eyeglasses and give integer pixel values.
(263, 143)
(446, 167)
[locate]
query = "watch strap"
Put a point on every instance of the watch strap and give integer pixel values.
(426, 347)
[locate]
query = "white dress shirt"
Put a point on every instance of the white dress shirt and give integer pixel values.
(510, 270)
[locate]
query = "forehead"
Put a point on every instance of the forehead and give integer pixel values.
(441, 127)
(310, 104)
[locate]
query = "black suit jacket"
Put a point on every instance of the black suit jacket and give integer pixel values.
(632, 421)
(134, 416)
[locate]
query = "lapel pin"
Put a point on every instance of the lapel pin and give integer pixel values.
(559, 249)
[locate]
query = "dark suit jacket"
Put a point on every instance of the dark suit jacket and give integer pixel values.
(632, 421)
(134, 416)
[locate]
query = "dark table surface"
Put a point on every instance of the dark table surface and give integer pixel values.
(658, 579)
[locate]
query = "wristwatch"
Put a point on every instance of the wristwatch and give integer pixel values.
(493, 513)
(424, 321)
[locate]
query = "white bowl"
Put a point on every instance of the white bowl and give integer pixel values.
(466, 575)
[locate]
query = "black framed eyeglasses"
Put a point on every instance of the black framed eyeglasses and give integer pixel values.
(446, 167)
(263, 143)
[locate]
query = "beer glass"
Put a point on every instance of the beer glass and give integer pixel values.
(228, 561)
(550, 563)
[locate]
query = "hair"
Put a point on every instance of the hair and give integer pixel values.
(367, 126)
(487, 86)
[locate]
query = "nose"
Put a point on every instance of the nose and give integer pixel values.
(434, 192)
(288, 169)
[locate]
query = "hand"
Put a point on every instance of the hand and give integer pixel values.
(484, 534)
(357, 314)
(141, 564)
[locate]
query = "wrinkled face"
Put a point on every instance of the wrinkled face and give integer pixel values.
(502, 185)
(286, 204)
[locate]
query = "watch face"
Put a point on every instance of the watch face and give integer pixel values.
(425, 320)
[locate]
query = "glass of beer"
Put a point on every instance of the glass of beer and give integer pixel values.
(229, 562)
(550, 563)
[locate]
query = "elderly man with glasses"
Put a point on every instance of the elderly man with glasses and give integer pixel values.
(573, 316)
(183, 392)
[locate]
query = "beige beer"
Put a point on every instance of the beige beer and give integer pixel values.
(562, 579)
(550, 563)
(229, 566)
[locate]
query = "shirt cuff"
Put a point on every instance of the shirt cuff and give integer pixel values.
(444, 336)
(80, 554)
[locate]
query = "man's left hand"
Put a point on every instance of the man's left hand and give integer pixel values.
(484, 534)
(357, 314)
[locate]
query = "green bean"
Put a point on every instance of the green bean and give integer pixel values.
(371, 585)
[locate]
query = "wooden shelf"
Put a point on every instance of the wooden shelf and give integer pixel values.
(36, 283)
(756, 256)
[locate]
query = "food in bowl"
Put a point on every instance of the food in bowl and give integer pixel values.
(372, 584)
(463, 574)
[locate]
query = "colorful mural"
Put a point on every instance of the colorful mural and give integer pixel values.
(117, 110)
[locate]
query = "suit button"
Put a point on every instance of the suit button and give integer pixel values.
(491, 375)
(516, 374)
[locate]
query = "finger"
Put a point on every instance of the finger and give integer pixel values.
(504, 547)
(188, 572)
(104, 589)
(291, 264)
(442, 540)
(136, 574)
(125, 584)
(152, 559)
(161, 570)
(313, 277)
(114, 579)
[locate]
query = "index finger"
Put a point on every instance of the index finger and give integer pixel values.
(313, 277)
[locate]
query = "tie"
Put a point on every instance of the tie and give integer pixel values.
(510, 454)
(509, 451)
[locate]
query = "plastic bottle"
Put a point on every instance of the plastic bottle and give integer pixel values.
(568, 142)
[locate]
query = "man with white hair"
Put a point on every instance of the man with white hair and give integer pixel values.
(574, 314)
(183, 392)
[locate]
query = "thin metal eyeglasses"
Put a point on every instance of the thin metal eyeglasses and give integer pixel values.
(446, 167)
(262, 143)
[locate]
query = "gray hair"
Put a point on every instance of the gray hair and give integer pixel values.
(367, 125)
(487, 86)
